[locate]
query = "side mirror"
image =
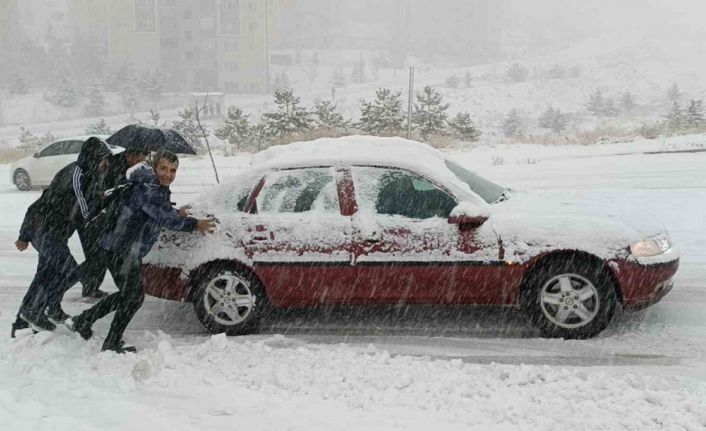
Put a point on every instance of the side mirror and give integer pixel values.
(467, 222)
(35, 155)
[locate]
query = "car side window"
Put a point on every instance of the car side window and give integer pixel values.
(298, 191)
(398, 192)
(52, 150)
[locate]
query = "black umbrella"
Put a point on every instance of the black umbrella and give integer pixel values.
(138, 137)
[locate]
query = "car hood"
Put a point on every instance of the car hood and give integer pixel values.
(532, 223)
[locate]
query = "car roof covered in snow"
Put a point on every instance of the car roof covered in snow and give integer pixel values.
(369, 151)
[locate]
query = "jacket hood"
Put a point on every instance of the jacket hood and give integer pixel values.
(92, 152)
(143, 173)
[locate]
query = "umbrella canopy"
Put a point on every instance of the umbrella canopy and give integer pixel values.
(136, 137)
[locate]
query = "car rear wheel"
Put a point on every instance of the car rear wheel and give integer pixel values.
(569, 297)
(22, 180)
(229, 299)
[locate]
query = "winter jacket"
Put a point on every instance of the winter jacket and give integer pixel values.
(116, 171)
(72, 197)
(142, 215)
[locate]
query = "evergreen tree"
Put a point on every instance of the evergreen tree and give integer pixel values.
(517, 73)
(358, 74)
(326, 116)
(609, 108)
(553, 119)
(452, 81)
(338, 80)
(236, 128)
(627, 101)
(96, 99)
(673, 93)
(189, 128)
(155, 116)
(383, 115)
(99, 128)
(289, 117)
(62, 90)
(468, 79)
(463, 128)
(152, 84)
(30, 143)
(675, 118)
(596, 104)
(557, 72)
(18, 84)
(125, 81)
(694, 116)
(512, 125)
(429, 112)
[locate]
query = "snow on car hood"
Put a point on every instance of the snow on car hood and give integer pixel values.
(532, 223)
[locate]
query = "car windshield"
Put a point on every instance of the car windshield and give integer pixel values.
(488, 190)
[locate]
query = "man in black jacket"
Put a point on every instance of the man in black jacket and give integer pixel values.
(141, 216)
(94, 267)
(72, 197)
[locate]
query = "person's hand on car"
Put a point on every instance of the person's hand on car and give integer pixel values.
(184, 211)
(207, 225)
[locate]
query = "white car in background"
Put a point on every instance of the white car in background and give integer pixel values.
(39, 169)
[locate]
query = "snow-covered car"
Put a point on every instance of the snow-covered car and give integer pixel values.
(39, 169)
(367, 220)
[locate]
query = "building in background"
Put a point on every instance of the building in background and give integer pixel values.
(470, 30)
(199, 45)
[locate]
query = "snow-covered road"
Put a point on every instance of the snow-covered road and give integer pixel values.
(411, 368)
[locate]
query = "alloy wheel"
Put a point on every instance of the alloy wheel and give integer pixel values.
(569, 300)
(228, 298)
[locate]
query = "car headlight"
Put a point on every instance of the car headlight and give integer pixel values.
(652, 246)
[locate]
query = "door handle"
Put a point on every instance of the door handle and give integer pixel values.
(374, 238)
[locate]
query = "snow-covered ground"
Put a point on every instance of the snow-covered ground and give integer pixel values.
(416, 368)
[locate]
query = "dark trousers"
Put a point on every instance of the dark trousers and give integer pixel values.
(95, 265)
(127, 273)
(57, 270)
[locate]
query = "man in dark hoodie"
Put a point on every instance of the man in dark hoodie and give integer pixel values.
(94, 267)
(72, 197)
(141, 216)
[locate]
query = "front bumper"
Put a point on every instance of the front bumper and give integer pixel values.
(642, 285)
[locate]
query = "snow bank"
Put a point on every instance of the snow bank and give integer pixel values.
(58, 382)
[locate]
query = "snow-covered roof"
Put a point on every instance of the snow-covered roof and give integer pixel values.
(366, 150)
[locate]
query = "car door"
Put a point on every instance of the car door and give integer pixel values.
(405, 249)
(299, 240)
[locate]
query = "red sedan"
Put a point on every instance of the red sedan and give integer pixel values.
(367, 220)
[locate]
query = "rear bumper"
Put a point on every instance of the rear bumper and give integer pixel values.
(165, 283)
(644, 285)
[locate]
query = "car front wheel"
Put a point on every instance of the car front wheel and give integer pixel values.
(569, 297)
(229, 299)
(22, 180)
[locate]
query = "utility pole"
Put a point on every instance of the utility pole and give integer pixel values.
(409, 103)
(267, 46)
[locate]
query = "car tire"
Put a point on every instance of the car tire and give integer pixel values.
(22, 180)
(570, 296)
(229, 298)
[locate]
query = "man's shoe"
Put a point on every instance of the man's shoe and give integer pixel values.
(96, 294)
(17, 325)
(77, 325)
(57, 316)
(119, 348)
(39, 323)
